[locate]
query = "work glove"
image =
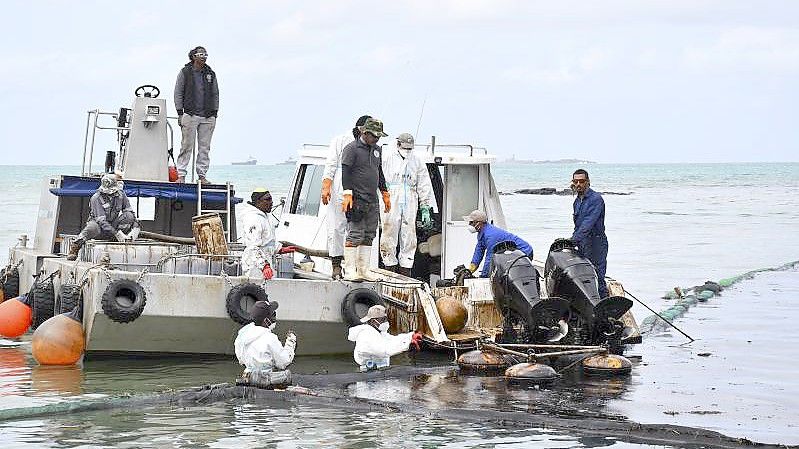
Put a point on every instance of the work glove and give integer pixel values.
(327, 183)
(291, 338)
(267, 271)
(346, 203)
(472, 267)
(287, 249)
(386, 201)
(134, 233)
(121, 237)
(416, 340)
(180, 118)
(427, 219)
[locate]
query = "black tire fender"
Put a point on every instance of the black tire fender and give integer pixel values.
(69, 297)
(357, 302)
(124, 300)
(240, 300)
(10, 282)
(43, 294)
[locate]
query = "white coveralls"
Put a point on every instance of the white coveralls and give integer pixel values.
(259, 240)
(336, 219)
(373, 348)
(259, 350)
(409, 183)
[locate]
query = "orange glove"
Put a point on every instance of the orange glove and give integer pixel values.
(346, 203)
(267, 271)
(416, 339)
(386, 201)
(327, 183)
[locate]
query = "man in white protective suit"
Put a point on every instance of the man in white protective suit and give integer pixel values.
(260, 351)
(260, 244)
(374, 346)
(410, 188)
(331, 188)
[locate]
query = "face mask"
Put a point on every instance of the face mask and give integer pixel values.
(383, 327)
(472, 229)
(272, 326)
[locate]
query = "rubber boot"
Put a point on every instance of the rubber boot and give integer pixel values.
(364, 260)
(404, 271)
(351, 263)
(336, 261)
(74, 248)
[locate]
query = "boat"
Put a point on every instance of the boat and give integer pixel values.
(289, 161)
(250, 161)
(180, 288)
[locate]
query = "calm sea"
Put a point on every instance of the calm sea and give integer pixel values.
(680, 225)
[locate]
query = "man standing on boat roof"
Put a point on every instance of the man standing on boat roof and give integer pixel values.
(197, 103)
(409, 184)
(260, 244)
(260, 351)
(589, 226)
(331, 188)
(488, 236)
(374, 346)
(110, 216)
(361, 177)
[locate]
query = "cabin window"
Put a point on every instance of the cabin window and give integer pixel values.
(307, 194)
(464, 190)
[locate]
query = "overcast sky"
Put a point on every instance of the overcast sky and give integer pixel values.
(609, 81)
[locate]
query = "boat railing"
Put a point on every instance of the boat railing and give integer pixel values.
(92, 125)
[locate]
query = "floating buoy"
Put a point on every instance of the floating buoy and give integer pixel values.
(482, 362)
(531, 373)
(453, 314)
(59, 340)
(16, 316)
(607, 365)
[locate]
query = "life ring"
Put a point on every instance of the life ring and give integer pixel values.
(357, 302)
(69, 297)
(124, 300)
(240, 300)
(43, 294)
(10, 283)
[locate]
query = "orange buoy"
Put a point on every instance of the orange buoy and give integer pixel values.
(59, 340)
(453, 314)
(15, 317)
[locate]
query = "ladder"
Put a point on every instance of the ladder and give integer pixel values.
(226, 211)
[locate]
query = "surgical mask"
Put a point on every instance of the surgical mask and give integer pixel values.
(383, 327)
(404, 152)
(472, 229)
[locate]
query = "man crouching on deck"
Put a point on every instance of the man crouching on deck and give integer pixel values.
(259, 350)
(374, 346)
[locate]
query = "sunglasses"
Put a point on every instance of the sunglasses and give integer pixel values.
(579, 181)
(201, 55)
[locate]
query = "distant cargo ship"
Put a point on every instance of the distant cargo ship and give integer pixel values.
(289, 161)
(250, 161)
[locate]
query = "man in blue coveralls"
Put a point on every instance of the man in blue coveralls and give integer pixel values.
(488, 236)
(589, 226)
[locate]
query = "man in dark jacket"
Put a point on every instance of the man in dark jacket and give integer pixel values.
(197, 103)
(361, 178)
(589, 226)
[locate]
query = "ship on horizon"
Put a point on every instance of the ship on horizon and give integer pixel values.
(250, 161)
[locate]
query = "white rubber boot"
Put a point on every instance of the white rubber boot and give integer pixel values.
(350, 264)
(364, 260)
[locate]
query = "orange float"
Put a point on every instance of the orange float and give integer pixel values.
(15, 317)
(59, 340)
(453, 314)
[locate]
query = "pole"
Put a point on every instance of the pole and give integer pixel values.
(658, 315)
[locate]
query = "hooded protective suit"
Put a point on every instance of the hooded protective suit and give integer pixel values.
(409, 185)
(259, 350)
(373, 348)
(336, 219)
(259, 240)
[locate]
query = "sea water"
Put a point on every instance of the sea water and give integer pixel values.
(675, 225)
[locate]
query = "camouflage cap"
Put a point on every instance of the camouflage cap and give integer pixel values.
(373, 126)
(405, 140)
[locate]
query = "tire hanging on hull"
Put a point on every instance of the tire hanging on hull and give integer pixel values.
(240, 300)
(124, 300)
(356, 303)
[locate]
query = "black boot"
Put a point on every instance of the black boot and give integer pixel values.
(336, 261)
(74, 248)
(404, 271)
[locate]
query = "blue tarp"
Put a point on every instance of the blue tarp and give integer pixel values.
(85, 187)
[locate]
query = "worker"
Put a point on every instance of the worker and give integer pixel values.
(374, 346)
(361, 178)
(488, 236)
(260, 351)
(409, 184)
(589, 226)
(260, 244)
(110, 216)
(331, 188)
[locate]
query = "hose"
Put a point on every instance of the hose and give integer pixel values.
(167, 238)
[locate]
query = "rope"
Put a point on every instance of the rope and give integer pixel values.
(689, 297)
